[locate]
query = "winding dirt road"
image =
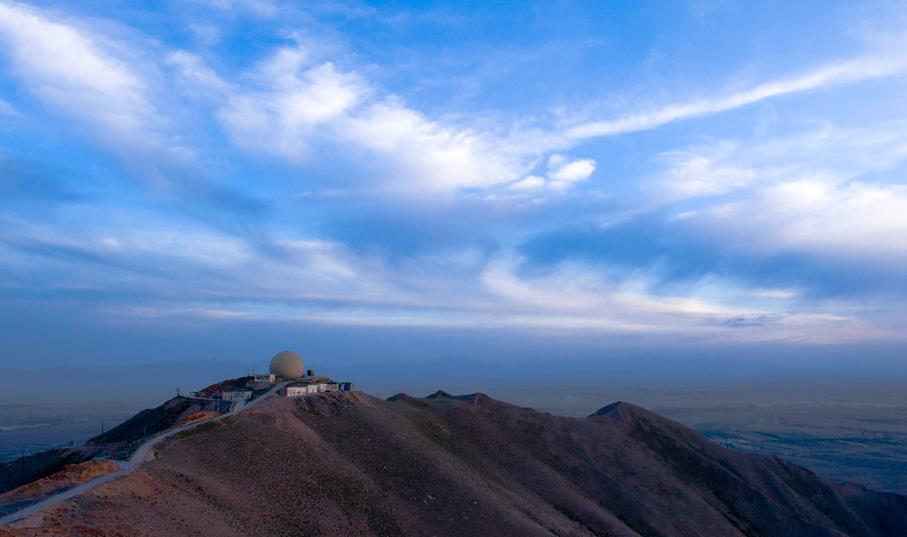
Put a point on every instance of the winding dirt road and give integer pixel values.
(133, 461)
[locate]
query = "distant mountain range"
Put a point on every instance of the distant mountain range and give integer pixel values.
(349, 464)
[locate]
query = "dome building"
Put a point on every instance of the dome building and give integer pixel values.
(287, 364)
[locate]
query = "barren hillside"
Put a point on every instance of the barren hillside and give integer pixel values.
(352, 465)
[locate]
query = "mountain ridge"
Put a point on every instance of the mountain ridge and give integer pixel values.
(353, 464)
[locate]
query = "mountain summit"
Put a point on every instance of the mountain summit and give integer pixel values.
(354, 465)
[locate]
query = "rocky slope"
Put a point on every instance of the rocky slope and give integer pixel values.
(117, 442)
(352, 465)
(70, 476)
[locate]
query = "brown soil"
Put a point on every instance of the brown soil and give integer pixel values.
(31, 468)
(117, 443)
(201, 415)
(348, 464)
(70, 476)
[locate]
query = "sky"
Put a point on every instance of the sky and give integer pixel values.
(218, 178)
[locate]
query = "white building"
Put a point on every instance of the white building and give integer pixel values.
(236, 395)
(271, 377)
(309, 389)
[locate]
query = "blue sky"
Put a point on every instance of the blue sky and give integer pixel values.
(699, 173)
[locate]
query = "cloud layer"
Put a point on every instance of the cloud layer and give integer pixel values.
(190, 174)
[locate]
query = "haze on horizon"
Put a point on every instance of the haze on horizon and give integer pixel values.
(183, 181)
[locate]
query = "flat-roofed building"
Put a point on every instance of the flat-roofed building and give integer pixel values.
(236, 395)
(321, 387)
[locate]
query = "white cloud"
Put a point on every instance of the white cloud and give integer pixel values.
(579, 291)
(75, 71)
(580, 297)
(285, 103)
(182, 269)
(260, 8)
(297, 103)
(197, 76)
(834, 155)
(206, 34)
(6, 109)
(778, 293)
(844, 72)
(292, 103)
(816, 217)
(290, 100)
(430, 155)
(858, 216)
(702, 171)
(562, 174)
(530, 182)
